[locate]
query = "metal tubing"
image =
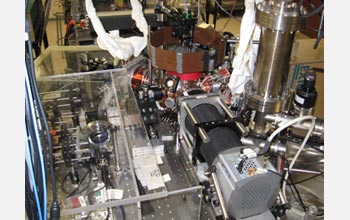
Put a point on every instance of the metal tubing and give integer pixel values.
(221, 199)
(283, 200)
(71, 145)
(127, 201)
(281, 117)
(57, 91)
(244, 131)
(202, 133)
(186, 140)
(259, 129)
(236, 40)
(303, 171)
(225, 108)
(116, 151)
(73, 99)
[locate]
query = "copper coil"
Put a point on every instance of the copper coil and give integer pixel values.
(139, 77)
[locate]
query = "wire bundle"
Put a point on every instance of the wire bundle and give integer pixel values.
(38, 139)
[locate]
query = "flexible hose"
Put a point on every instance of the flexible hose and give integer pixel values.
(283, 126)
(297, 155)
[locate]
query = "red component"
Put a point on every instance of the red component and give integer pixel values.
(70, 24)
(53, 132)
(224, 72)
(186, 76)
(75, 202)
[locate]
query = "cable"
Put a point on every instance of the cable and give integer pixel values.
(89, 194)
(296, 190)
(317, 10)
(301, 146)
(307, 179)
(293, 194)
(76, 190)
(55, 209)
(108, 213)
(228, 20)
(31, 209)
(314, 11)
(285, 125)
(226, 12)
(88, 216)
(32, 106)
(320, 32)
(31, 175)
(35, 151)
(45, 18)
(291, 185)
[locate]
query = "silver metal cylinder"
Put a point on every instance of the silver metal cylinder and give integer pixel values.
(220, 196)
(271, 71)
(279, 19)
(318, 130)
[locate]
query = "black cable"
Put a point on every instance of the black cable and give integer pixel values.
(63, 181)
(290, 183)
(88, 216)
(38, 169)
(277, 173)
(30, 206)
(300, 3)
(36, 161)
(307, 179)
(96, 190)
(76, 190)
(307, 25)
(317, 10)
(233, 7)
(291, 186)
(108, 213)
(92, 192)
(44, 17)
(241, 163)
(292, 191)
(30, 69)
(33, 142)
(295, 188)
(55, 208)
(319, 32)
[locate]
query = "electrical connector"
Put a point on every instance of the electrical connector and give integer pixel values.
(248, 152)
(55, 212)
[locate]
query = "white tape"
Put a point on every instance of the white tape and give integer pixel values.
(166, 178)
(115, 194)
(82, 201)
(299, 99)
